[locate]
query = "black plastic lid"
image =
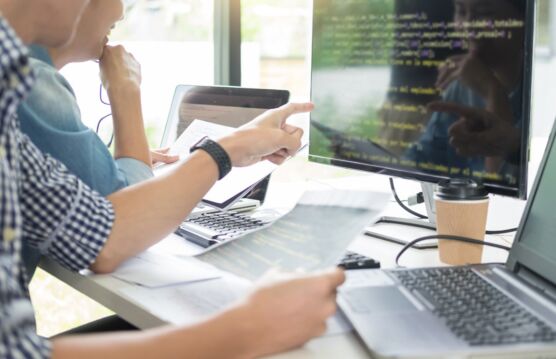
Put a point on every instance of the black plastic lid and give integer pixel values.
(461, 189)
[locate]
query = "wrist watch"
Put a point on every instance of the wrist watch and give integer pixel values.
(217, 153)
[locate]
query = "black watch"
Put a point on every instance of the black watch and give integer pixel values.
(217, 153)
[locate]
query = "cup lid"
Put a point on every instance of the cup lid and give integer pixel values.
(460, 189)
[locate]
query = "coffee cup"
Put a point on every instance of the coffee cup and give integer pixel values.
(461, 210)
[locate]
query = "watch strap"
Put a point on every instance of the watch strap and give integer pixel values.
(218, 154)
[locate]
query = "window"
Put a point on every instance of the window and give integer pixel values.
(276, 45)
(543, 23)
(173, 41)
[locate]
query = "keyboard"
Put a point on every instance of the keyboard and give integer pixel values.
(207, 229)
(473, 309)
(212, 228)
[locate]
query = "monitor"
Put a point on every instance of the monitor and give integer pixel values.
(424, 89)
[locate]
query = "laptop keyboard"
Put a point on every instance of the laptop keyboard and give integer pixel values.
(474, 310)
(212, 228)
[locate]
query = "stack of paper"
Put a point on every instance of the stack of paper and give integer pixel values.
(156, 270)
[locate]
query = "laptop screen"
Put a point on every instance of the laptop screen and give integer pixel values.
(230, 106)
(536, 246)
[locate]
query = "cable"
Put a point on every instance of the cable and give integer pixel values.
(421, 216)
(390, 220)
(502, 231)
(399, 201)
(449, 238)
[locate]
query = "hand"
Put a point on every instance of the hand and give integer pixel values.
(118, 68)
(287, 314)
(267, 137)
(161, 155)
(470, 71)
(479, 132)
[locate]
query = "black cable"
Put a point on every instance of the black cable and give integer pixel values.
(425, 225)
(502, 231)
(399, 201)
(421, 216)
(449, 238)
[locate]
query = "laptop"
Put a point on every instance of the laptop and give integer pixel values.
(479, 311)
(225, 105)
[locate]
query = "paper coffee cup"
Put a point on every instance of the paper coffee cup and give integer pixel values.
(461, 210)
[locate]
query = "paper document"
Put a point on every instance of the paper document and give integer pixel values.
(157, 270)
(238, 180)
(191, 303)
(313, 236)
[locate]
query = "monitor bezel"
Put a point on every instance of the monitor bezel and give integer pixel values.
(519, 191)
(520, 256)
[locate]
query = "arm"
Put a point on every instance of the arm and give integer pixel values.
(149, 211)
(121, 76)
(275, 318)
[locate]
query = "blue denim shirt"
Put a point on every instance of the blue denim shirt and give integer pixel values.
(51, 118)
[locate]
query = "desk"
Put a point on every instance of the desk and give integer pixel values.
(291, 179)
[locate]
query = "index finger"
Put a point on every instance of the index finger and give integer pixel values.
(335, 278)
(293, 108)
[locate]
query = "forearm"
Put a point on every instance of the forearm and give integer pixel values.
(149, 211)
(129, 130)
(224, 336)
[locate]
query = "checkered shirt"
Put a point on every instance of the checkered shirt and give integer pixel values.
(40, 202)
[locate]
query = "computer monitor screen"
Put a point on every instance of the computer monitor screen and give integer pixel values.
(424, 89)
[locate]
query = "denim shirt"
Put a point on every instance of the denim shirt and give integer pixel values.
(51, 118)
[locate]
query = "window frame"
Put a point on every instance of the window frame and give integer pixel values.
(227, 42)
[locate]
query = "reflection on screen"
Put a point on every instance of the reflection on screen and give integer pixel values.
(379, 64)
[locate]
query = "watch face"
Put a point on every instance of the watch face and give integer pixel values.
(198, 144)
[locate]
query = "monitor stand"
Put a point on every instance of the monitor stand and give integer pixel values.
(430, 223)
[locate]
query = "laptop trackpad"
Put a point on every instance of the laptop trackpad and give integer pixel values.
(378, 299)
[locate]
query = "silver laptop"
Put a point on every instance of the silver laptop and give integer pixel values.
(484, 311)
(225, 105)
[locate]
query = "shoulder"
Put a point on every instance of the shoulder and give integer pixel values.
(47, 75)
(51, 101)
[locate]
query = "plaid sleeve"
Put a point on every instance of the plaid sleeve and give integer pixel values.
(63, 217)
(18, 337)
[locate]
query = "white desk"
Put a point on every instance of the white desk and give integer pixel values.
(108, 290)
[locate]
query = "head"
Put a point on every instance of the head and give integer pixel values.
(45, 22)
(93, 29)
(492, 50)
